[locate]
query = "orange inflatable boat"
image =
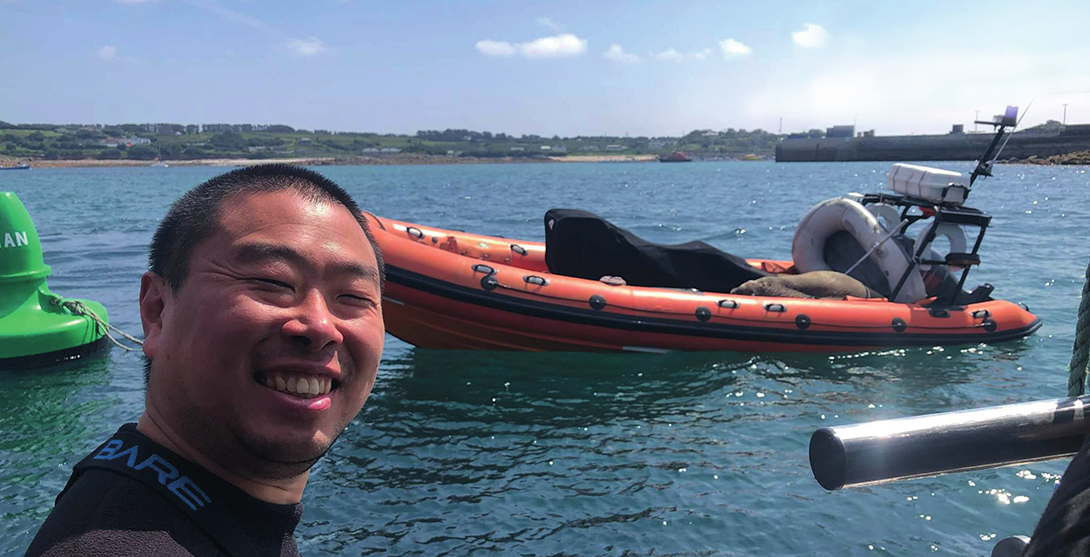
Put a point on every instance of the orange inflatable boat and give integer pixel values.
(454, 290)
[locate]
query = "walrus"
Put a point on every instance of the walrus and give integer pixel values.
(815, 284)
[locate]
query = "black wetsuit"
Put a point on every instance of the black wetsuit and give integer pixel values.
(1064, 528)
(141, 509)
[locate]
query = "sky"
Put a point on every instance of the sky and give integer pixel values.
(568, 68)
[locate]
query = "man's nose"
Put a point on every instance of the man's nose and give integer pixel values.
(313, 325)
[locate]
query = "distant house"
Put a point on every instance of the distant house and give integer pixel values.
(546, 148)
(130, 141)
(370, 150)
(615, 148)
(390, 150)
(560, 149)
(517, 149)
(655, 145)
(710, 134)
(192, 128)
(256, 149)
(305, 141)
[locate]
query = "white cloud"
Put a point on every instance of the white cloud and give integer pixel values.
(496, 48)
(559, 46)
(734, 49)
(549, 24)
(307, 47)
(672, 55)
(812, 36)
(107, 52)
(617, 54)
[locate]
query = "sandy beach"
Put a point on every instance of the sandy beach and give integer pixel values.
(606, 158)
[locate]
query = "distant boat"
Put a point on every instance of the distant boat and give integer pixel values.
(676, 156)
(16, 167)
(159, 163)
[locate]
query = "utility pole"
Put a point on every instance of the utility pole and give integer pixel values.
(1065, 114)
(975, 118)
(781, 124)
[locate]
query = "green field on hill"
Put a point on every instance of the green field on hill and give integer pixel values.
(178, 142)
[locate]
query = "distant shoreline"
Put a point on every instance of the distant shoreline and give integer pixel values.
(322, 161)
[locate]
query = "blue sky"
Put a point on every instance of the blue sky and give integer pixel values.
(560, 67)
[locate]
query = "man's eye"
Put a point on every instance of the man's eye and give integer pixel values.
(357, 300)
(272, 282)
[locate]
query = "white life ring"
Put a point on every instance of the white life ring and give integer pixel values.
(953, 234)
(832, 216)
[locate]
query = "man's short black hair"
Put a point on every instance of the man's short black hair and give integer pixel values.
(194, 217)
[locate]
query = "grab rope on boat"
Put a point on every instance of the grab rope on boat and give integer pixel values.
(1080, 352)
(77, 307)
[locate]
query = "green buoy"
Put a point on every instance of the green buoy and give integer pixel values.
(38, 328)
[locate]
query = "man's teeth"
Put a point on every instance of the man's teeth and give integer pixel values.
(304, 386)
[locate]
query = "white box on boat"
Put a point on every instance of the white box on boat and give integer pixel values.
(932, 184)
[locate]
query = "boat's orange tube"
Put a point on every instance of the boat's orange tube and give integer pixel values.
(448, 289)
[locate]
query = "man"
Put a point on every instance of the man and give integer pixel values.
(1064, 528)
(263, 332)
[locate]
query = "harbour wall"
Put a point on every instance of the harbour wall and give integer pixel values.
(950, 147)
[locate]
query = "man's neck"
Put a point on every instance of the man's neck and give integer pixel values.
(282, 492)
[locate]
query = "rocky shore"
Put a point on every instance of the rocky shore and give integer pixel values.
(1080, 157)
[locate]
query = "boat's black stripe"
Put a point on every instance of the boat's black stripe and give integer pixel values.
(531, 308)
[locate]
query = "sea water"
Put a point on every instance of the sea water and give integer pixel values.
(590, 454)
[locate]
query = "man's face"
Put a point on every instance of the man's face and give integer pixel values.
(271, 345)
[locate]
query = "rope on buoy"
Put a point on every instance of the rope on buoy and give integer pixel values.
(77, 307)
(1080, 351)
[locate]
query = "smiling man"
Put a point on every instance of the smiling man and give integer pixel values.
(263, 333)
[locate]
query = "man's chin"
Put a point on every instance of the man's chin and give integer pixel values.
(280, 456)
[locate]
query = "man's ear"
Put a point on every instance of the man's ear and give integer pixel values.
(154, 293)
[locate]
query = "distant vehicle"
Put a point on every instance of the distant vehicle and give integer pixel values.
(16, 167)
(676, 156)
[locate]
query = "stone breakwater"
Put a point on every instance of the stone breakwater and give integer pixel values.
(1080, 157)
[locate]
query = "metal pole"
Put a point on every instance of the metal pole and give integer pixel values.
(878, 452)
(975, 118)
(1065, 114)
